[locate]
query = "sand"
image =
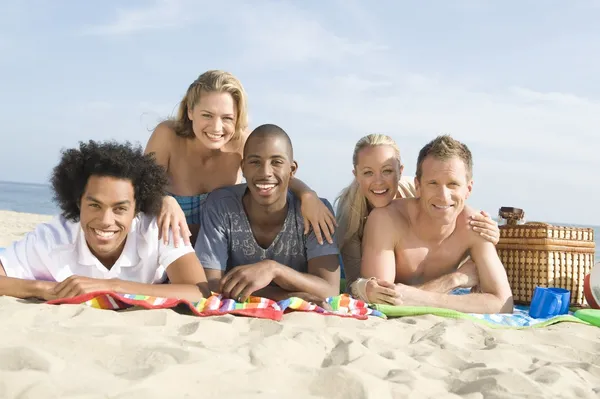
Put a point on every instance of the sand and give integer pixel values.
(72, 351)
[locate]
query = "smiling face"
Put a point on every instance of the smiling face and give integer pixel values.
(214, 118)
(107, 210)
(443, 188)
(377, 172)
(267, 167)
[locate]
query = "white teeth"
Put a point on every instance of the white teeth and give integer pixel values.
(214, 136)
(104, 234)
(265, 186)
(380, 191)
(442, 207)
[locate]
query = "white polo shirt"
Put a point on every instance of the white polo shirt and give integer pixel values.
(57, 250)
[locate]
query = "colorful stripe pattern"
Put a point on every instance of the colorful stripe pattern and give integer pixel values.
(341, 305)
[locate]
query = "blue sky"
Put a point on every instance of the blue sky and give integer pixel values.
(515, 80)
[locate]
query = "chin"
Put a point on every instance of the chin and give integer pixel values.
(379, 202)
(214, 145)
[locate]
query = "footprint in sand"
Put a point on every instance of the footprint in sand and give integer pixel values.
(133, 364)
(21, 358)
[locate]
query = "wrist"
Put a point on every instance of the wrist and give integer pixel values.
(458, 279)
(308, 194)
(114, 285)
(40, 288)
(274, 269)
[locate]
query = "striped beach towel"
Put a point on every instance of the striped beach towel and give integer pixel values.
(341, 305)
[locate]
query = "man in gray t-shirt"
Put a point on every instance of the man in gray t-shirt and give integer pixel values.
(251, 239)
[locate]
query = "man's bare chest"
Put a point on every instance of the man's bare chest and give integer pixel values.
(418, 263)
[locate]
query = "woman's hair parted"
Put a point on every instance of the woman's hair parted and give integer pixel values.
(111, 159)
(212, 81)
(352, 206)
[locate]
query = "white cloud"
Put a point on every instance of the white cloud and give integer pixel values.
(160, 14)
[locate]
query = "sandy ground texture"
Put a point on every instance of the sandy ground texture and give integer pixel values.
(73, 351)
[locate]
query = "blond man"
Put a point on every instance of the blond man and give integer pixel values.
(412, 248)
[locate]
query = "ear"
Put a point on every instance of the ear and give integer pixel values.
(418, 187)
(354, 172)
(400, 170)
(189, 114)
(469, 189)
(294, 168)
(242, 168)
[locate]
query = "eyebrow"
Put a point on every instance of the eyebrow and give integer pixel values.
(276, 156)
(90, 198)
(212, 113)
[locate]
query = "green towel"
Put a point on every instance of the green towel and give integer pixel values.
(520, 319)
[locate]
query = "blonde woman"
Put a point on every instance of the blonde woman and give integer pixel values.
(202, 150)
(377, 181)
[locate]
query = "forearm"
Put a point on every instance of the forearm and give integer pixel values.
(294, 281)
(469, 303)
(443, 284)
(189, 292)
(299, 188)
(24, 289)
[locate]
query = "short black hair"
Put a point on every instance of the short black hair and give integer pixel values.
(123, 161)
(268, 131)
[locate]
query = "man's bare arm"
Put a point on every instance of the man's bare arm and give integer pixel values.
(378, 259)
(19, 288)
(495, 296)
(322, 279)
(187, 281)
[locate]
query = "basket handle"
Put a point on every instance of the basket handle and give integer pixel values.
(511, 215)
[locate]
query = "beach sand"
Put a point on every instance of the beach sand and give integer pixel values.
(73, 351)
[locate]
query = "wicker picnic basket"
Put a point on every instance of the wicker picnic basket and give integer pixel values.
(540, 254)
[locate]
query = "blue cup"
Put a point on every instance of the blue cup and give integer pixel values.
(549, 302)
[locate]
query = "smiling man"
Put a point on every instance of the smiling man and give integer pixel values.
(413, 247)
(251, 239)
(106, 238)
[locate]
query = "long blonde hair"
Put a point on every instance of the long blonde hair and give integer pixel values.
(352, 206)
(212, 81)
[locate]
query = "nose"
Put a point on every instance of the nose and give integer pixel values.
(108, 217)
(266, 170)
(445, 192)
(217, 125)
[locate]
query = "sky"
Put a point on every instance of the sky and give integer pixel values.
(515, 80)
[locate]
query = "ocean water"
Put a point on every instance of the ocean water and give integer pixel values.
(37, 198)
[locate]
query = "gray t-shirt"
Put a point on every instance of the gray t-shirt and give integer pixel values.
(226, 240)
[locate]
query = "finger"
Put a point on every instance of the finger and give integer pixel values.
(229, 284)
(236, 291)
(185, 232)
(325, 305)
(386, 284)
(159, 222)
(175, 232)
(64, 290)
(487, 224)
(482, 218)
(489, 237)
(325, 228)
(245, 293)
(484, 213)
(329, 215)
(306, 226)
(317, 231)
(165, 230)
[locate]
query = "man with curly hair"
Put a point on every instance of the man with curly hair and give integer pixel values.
(106, 237)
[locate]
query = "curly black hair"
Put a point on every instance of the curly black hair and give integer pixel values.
(109, 158)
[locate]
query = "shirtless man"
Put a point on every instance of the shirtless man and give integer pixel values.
(412, 248)
(251, 239)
